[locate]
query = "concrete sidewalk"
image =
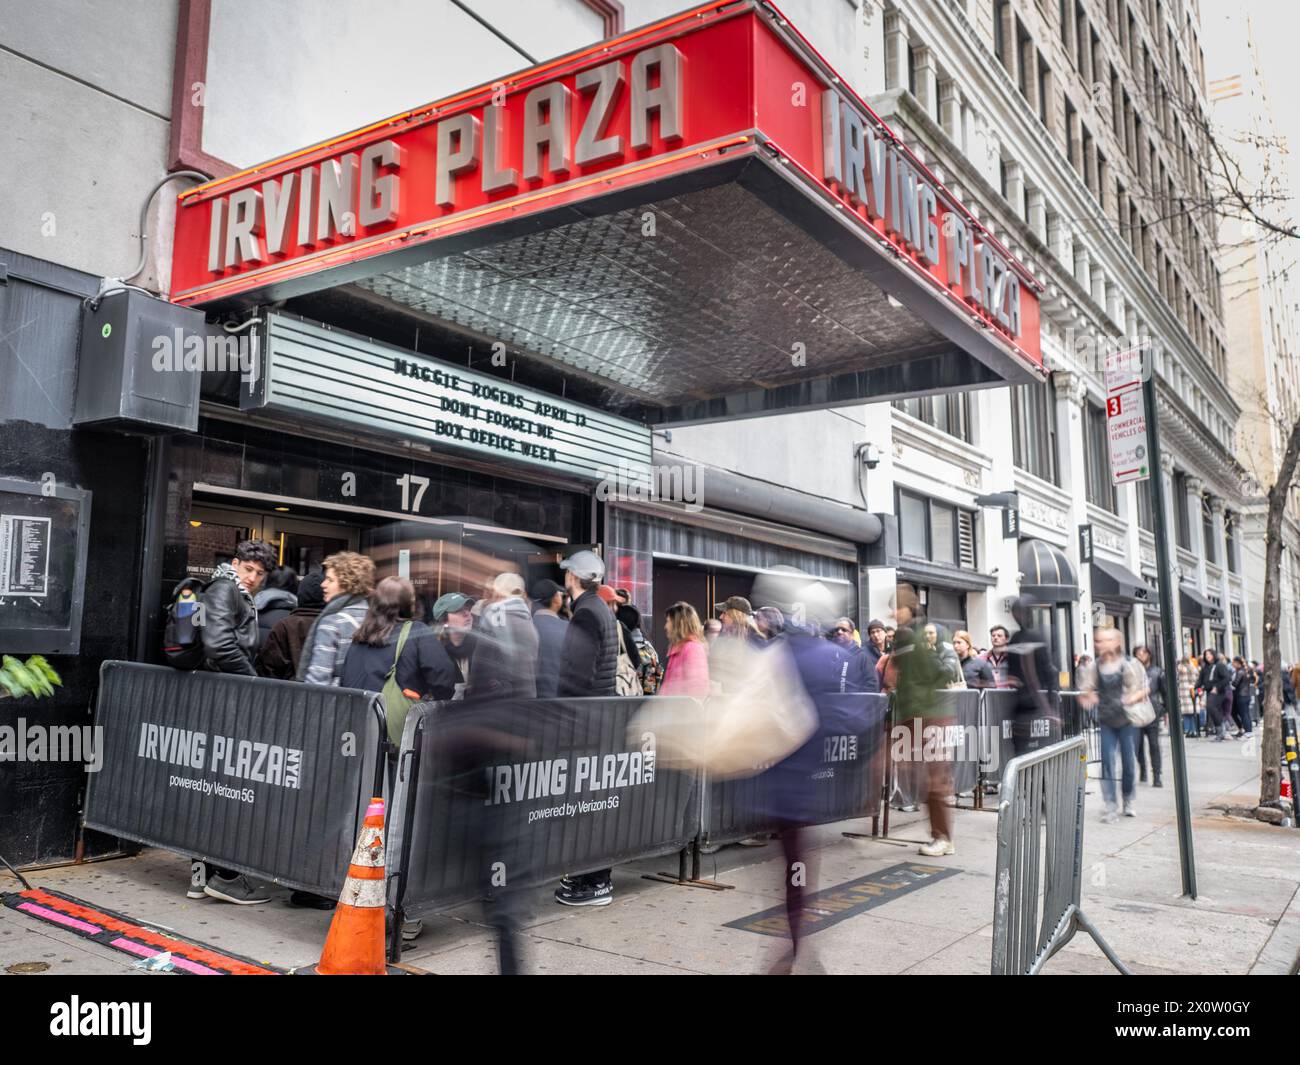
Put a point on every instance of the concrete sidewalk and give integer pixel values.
(1246, 920)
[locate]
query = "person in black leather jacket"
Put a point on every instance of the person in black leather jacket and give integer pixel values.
(229, 617)
(229, 646)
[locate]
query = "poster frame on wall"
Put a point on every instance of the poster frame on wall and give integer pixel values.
(64, 638)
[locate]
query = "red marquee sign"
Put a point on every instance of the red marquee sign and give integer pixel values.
(675, 96)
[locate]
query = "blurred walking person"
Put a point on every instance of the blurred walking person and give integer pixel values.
(1115, 684)
(920, 673)
(1031, 673)
(505, 651)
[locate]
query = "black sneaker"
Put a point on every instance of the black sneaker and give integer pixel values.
(580, 892)
(198, 880)
(238, 889)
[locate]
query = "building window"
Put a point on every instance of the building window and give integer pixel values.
(913, 525)
(1044, 91)
(1146, 505)
(949, 414)
(1230, 538)
(1101, 492)
(1000, 29)
(1182, 526)
(1235, 611)
(935, 531)
(1024, 64)
(1207, 531)
(1033, 430)
(1071, 155)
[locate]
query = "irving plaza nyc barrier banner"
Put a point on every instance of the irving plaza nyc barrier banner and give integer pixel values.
(266, 777)
(506, 795)
(841, 780)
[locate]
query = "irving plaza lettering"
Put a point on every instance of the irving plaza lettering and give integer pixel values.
(483, 406)
(556, 777)
(876, 178)
(265, 763)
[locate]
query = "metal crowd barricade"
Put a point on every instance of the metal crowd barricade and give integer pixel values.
(267, 777)
(846, 785)
(1077, 720)
(495, 796)
(1039, 860)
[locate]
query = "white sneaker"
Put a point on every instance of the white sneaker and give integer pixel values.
(1129, 811)
(411, 930)
(1110, 816)
(937, 848)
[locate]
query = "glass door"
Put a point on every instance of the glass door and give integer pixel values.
(303, 544)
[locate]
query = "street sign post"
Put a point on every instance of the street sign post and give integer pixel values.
(1126, 418)
(1136, 392)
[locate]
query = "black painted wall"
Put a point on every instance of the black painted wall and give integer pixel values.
(40, 306)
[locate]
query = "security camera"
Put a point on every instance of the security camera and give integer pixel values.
(869, 455)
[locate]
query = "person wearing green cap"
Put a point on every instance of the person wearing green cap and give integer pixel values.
(454, 624)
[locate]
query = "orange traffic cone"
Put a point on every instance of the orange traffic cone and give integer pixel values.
(355, 944)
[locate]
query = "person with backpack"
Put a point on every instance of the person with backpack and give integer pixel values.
(228, 641)
(276, 601)
(651, 672)
(627, 680)
(588, 667)
(213, 626)
(280, 654)
(349, 579)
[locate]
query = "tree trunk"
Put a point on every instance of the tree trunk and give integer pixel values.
(1271, 748)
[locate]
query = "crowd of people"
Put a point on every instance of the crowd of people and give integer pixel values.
(341, 626)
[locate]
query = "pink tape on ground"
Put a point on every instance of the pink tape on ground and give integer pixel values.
(60, 918)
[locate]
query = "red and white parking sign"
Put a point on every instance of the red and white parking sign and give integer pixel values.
(1126, 419)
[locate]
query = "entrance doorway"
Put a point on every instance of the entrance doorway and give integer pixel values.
(436, 557)
(301, 544)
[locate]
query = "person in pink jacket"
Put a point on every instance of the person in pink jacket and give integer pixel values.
(687, 672)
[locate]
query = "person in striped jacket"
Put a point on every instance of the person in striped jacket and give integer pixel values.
(349, 579)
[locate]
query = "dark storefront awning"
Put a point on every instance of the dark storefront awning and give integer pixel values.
(648, 226)
(1197, 606)
(1046, 574)
(1118, 584)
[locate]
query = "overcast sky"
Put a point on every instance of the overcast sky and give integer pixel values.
(1276, 28)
